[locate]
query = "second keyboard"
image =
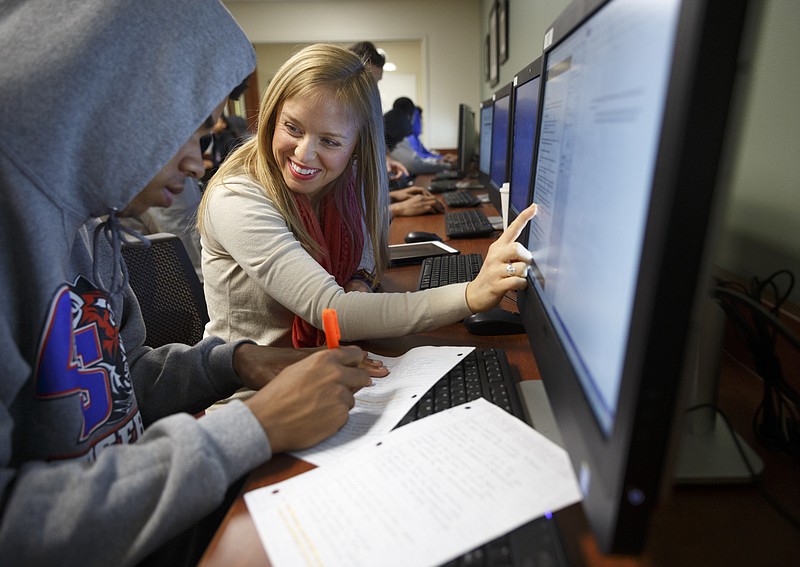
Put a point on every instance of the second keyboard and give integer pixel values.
(467, 224)
(444, 270)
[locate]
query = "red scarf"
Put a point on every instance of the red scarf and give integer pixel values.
(338, 232)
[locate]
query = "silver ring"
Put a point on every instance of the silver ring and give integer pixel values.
(510, 270)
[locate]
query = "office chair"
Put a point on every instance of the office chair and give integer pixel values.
(168, 290)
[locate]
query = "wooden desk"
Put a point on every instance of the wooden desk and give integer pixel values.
(703, 526)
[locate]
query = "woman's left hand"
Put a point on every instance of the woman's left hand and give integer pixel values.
(374, 366)
(504, 269)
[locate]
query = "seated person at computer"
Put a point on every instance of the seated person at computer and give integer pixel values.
(99, 464)
(295, 220)
(416, 142)
(374, 60)
(227, 134)
(400, 139)
(413, 201)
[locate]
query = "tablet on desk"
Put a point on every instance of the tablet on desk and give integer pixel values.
(414, 253)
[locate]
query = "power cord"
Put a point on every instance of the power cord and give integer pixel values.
(775, 422)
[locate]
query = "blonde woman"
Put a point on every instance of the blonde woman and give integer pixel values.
(297, 219)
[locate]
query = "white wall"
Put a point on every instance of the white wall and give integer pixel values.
(446, 28)
(527, 22)
(763, 220)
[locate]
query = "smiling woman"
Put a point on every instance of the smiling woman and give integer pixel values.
(313, 143)
(296, 220)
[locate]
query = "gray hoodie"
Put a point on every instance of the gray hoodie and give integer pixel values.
(97, 465)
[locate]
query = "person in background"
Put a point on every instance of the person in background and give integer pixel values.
(295, 220)
(374, 60)
(407, 201)
(227, 134)
(416, 143)
(401, 140)
(101, 461)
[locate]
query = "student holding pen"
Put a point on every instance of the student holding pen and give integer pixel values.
(101, 461)
(295, 220)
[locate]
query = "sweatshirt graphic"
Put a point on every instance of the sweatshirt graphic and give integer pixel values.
(81, 357)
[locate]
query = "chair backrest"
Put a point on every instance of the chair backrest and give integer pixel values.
(168, 290)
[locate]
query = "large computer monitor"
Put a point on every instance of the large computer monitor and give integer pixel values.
(485, 141)
(633, 113)
(466, 138)
(525, 114)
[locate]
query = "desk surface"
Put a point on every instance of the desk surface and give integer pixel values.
(701, 525)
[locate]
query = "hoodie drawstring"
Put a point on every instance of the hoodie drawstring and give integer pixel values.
(111, 230)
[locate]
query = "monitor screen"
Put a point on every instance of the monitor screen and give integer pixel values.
(500, 133)
(523, 136)
(485, 148)
(466, 137)
(625, 187)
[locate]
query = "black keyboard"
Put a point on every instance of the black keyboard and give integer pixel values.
(535, 544)
(442, 186)
(467, 224)
(450, 185)
(443, 270)
(461, 199)
(486, 373)
(482, 373)
(450, 174)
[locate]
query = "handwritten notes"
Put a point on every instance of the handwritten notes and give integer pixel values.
(419, 495)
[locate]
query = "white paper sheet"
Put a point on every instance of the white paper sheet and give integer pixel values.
(422, 495)
(381, 406)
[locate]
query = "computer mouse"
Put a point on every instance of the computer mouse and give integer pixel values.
(421, 236)
(495, 322)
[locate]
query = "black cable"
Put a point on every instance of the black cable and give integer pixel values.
(775, 422)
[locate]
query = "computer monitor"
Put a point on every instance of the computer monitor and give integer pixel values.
(501, 134)
(466, 138)
(485, 141)
(501, 131)
(633, 113)
(525, 104)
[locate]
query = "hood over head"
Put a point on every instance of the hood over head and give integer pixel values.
(98, 95)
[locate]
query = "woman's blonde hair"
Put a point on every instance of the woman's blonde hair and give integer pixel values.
(320, 72)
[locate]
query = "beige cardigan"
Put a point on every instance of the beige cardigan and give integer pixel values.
(257, 276)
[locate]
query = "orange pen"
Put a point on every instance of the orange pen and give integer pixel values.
(330, 323)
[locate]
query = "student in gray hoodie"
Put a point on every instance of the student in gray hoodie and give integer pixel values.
(99, 464)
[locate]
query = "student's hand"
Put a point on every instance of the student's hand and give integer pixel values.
(374, 367)
(414, 201)
(495, 278)
(310, 400)
(408, 192)
(395, 169)
(258, 365)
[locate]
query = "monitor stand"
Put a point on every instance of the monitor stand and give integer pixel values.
(709, 451)
(710, 454)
